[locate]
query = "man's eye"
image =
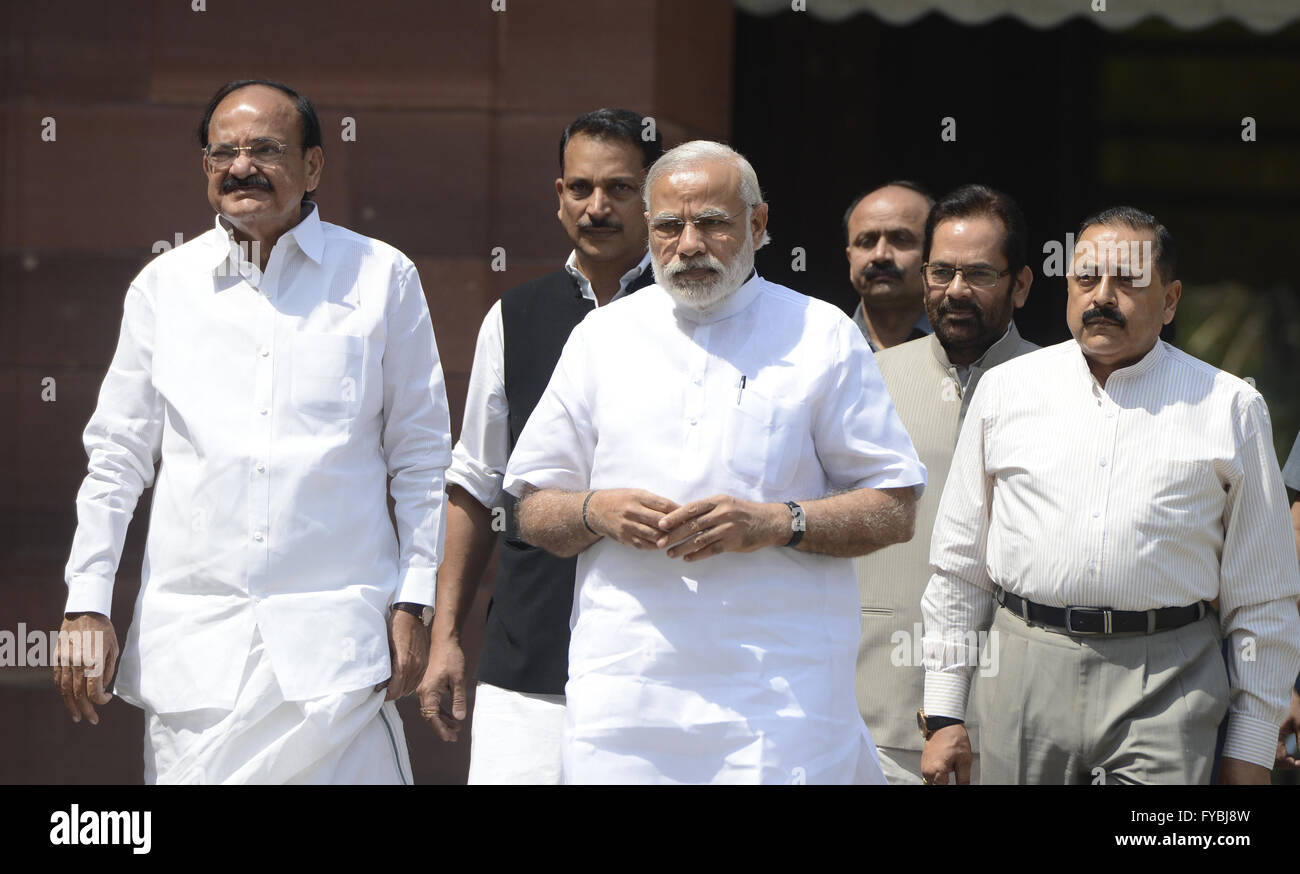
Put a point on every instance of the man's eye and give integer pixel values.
(710, 224)
(580, 188)
(265, 151)
(221, 154)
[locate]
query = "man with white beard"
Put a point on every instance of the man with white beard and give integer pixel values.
(715, 450)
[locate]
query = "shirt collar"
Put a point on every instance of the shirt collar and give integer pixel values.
(919, 329)
(1132, 371)
(994, 355)
(584, 284)
(307, 235)
(732, 304)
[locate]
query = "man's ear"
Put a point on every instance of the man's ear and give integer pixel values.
(758, 223)
(1020, 291)
(559, 199)
(1173, 293)
(315, 160)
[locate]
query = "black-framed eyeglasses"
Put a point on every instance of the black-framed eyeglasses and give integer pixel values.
(940, 275)
(264, 152)
(710, 224)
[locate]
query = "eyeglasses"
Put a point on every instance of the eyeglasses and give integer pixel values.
(264, 152)
(711, 224)
(940, 275)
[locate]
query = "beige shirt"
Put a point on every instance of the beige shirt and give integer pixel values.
(1160, 490)
(931, 402)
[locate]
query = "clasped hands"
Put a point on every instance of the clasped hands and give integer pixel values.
(693, 531)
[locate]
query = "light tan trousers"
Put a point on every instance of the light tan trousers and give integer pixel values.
(1083, 709)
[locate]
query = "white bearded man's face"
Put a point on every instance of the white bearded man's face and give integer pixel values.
(702, 234)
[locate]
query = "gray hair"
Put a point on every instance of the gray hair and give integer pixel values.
(697, 152)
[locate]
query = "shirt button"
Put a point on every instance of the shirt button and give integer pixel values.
(264, 411)
(694, 421)
(1096, 514)
(261, 468)
(264, 352)
(1103, 462)
(257, 536)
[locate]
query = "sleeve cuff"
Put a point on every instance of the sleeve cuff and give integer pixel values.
(946, 693)
(89, 595)
(482, 483)
(1251, 740)
(417, 586)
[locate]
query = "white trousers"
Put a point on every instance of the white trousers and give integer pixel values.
(347, 737)
(515, 737)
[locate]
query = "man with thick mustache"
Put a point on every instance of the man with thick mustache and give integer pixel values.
(1103, 492)
(884, 229)
(519, 699)
(284, 370)
(976, 244)
(714, 450)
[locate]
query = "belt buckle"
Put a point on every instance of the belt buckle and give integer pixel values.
(1106, 613)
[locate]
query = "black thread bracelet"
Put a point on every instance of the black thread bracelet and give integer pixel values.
(585, 502)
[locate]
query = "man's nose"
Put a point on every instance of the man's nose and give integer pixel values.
(242, 166)
(881, 252)
(599, 203)
(958, 289)
(691, 241)
(1104, 294)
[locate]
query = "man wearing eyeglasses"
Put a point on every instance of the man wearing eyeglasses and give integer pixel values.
(519, 699)
(974, 267)
(282, 369)
(1103, 492)
(714, 450)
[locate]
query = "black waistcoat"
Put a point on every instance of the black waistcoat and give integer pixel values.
(526, 645)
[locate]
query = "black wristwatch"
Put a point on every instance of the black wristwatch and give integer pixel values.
(930, 724)
(420, 611)
(798, 523)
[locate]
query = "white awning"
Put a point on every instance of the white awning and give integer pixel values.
(1262, 16)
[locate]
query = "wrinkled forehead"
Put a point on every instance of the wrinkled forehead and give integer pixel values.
(1115, 250)
(255, 111)
(707, 185)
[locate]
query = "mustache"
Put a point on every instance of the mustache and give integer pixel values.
(1099, 314)
(948, 306)
(601, 224)
(886, 269)
(701, 262)
(230, 183)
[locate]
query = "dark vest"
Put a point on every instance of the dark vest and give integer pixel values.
(526, 643)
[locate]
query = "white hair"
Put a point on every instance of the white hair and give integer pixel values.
(696, 152)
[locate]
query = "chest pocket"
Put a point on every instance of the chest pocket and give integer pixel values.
(762, 441)
(326, 380)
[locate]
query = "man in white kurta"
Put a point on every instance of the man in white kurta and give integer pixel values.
(705, 648)
(280, 384)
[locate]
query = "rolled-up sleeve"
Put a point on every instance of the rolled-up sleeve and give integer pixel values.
(1258, 588)
(478, 461)
(123, 440)
(416, 436)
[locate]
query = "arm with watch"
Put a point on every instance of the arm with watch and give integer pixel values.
(847, 524)
(408, 647)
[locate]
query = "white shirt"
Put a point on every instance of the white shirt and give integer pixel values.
(278, 403)
(739, 668)
(478, 462)
(1160, 490)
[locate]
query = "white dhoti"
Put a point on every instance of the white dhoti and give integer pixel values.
(346, 737)
(515, 738)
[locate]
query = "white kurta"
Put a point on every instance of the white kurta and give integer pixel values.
(738, 668)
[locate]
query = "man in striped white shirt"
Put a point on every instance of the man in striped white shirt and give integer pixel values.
(1103, 492)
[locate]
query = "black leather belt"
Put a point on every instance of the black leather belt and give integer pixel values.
(1100, 620)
